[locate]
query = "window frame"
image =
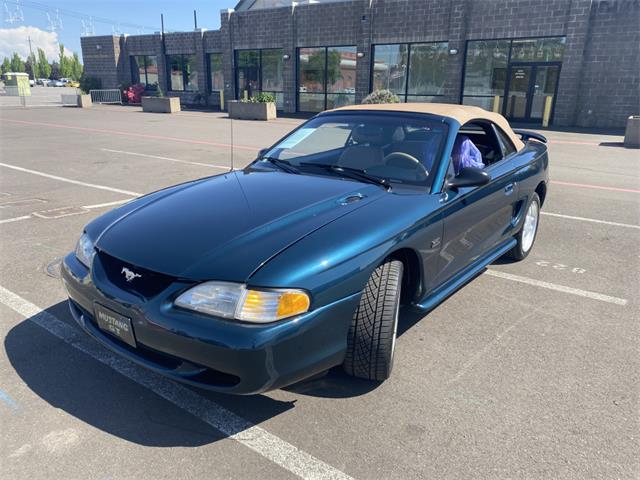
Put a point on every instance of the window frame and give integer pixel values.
(260, 89)
(133, 60)
(183, 68)
(484, 125)
(508, 65)
(325, 91)
(439, 161)
(210, 72)
(406, 96)
(504, 141)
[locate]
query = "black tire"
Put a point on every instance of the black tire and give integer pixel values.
(520, 252)
(372, 335)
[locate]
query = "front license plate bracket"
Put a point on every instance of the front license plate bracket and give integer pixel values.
(114, 324)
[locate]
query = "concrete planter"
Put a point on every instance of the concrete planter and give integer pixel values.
(82, 101)
(160, 104)
(632, 132)
(251, 111)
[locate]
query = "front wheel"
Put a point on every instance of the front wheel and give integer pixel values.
(527, 234)
(372, 335)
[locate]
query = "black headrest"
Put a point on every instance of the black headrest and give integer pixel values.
(371, 134)
(377, 135)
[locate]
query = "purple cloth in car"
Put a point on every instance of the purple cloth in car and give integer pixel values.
(465, 154)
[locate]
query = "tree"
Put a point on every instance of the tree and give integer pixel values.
(31, 66)
(17, 65)
(6, 65)
(44, 69)
(64, 64)
(55, 71)
(76, 67)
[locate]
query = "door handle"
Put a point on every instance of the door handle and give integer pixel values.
(508, 190)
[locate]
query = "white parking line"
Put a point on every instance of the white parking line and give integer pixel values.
(86, 207)
(557, 288)
(164, 158)
(257, 439)
(108, 204)
(69, 180)
(592, 220)
(15, 219)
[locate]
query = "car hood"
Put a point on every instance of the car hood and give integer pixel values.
(225, 227)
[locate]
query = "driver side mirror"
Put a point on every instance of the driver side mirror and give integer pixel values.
(469, 177)
(261, 152)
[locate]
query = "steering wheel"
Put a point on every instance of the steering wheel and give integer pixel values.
(404, 160)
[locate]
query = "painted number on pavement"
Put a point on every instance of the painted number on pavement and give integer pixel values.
(560, 266)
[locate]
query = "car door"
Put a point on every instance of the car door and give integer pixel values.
(478, 219)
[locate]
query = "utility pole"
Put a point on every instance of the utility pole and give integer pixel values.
(33, 60)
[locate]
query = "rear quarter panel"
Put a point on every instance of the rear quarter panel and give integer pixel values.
(531, 168)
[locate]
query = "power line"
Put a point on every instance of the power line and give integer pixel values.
(56, 22)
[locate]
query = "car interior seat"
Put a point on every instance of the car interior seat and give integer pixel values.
(367, 149)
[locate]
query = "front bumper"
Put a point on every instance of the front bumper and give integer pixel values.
(212, 353)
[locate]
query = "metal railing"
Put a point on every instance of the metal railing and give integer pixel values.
(110, 95)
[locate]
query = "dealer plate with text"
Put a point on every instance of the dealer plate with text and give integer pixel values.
(114, 324)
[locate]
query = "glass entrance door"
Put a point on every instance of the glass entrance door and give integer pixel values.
(545, 82)
(518, 93)
(529, 86)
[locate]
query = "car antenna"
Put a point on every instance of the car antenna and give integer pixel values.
(231, 120)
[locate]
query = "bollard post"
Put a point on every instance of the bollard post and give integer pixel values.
(496, 103)
(221, 100)
(245, 94)
(546, 115)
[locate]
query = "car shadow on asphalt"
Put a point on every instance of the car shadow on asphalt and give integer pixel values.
(335, 383)
(72, 381)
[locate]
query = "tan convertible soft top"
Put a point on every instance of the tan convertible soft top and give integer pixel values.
(461, 113)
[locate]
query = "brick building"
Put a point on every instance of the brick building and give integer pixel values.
(581, 57)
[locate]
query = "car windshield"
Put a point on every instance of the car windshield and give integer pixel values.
(388, 147)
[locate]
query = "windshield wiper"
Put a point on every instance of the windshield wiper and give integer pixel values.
(281, 164)
(353, 173)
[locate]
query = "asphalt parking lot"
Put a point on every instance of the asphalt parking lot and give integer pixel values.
(530, 371)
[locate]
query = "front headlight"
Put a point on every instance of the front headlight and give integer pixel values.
(232, 300)
(85, 251)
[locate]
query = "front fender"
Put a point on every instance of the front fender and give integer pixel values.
(337, 260)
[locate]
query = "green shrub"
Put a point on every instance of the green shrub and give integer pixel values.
(381, 96)
(261, 98)
(90, 83)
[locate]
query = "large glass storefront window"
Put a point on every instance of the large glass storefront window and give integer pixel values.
(326, 78)
(271, 74)
(415, 72)
(485, 72)
(390, 68)
(183, 73)
(144, 69)
(525, 71)
(259, 71)
(216, 72)
(538, 49)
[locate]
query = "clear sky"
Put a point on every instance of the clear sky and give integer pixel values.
(64, 25)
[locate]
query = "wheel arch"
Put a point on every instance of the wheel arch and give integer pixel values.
(412, 273)
(541, 190)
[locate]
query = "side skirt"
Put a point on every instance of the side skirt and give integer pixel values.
(437, 296)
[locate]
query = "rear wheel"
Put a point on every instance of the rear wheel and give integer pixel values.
(372, 335)
(527, 234)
